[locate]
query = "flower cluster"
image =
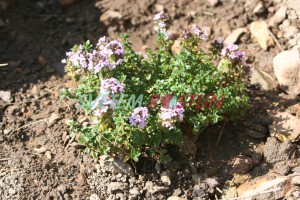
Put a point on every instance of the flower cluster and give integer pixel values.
(231, 52)
(162, 22)
(107, 54)
(108, 86)
(111, 85)
(170, 115)
(202, 34)
(78, 57)
(195, 31)
(139, 116)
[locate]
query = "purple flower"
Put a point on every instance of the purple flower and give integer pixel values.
(112, 86)
(162, 22)
(231, 52)
(78, 57)
(186, 34)
(170, 115)
(139, 116)
(159, 16)
(202, 34)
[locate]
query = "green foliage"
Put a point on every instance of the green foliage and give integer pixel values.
(208, 92)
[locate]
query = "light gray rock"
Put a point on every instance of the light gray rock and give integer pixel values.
(287, 70)
(175, 198)
(122, 167)
(134, 191)
(110, 17)
(165, 178)
(94, 197)
(6, 96)
(213, 2)
(35, 90)
(259, 8)
(279, 16)
(274, 151)
(294, 4)
(296, 180)
(234, 36)
(115, 186)
(211, 182)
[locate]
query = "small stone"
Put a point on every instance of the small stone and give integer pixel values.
(290, 32)
(159, 7)
(175, 198)
(6, 96)
(213, 2)
(200, 190)
(134, 191)
(281, 168)
(261, 33)
(296, 194)
(196, 178)
(230, 193)
(35, 90)
(240, 178)
(40, 150)
(288, 73)
(211, 182)
(157, 189)
(285, 127)
(11, 191)
(69, 20)
(62, 189)
(165, 179)
(42, 60)
(259, 8)
(274, 151)
(279, 16)
(296, 180)
(257, 154)
(81, 179)
(94, 197)
(176, 47)
(122, 167)
(53, 119)
(270, 186)
(48, 154)
(116, 186)
(110, 17)
(242, 164)
(234, 36)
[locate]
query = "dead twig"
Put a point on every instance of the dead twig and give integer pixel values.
(276, 41)
(72, 139)
(220, 135)
(196, 137)
(4, 159)
(3, 64)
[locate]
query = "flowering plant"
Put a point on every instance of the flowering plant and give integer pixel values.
(167, 90)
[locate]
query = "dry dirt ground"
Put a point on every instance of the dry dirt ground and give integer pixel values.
(38, 159)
